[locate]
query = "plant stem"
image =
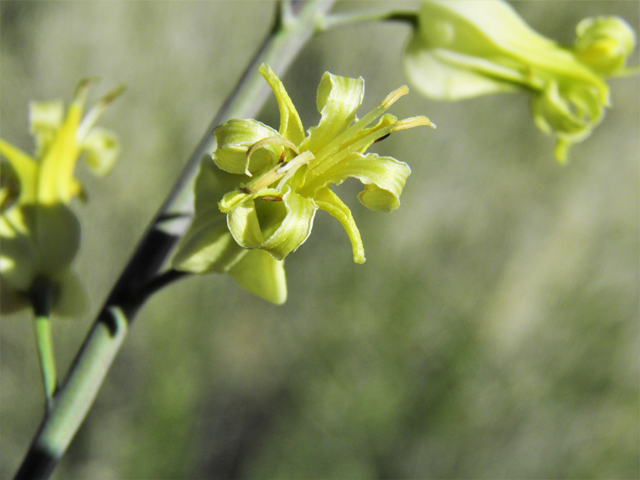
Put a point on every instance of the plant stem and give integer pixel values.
(72, 402)
(77, 393)
(390, 14)
(41, 301)
(44, 344)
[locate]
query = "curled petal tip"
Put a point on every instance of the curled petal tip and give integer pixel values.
(265, 142)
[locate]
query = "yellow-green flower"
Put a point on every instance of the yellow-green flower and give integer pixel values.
(463, 49)
(276, 180)
(39, 233)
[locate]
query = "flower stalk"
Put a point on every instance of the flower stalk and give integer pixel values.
(44, 344)
(44, 339)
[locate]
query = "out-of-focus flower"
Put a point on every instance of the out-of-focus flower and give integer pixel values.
(466, 48)
(604, 44)
(276, 180)
(39, 234)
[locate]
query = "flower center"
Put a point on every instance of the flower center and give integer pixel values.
(265, 142)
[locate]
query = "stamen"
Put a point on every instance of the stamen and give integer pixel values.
(263, 182)
(394, 96)
(292, 167)
(112, 95)
(381, 138)
(322, 167)
(94, 113)
(319, 169)
(333, 145)
(83, 87)
(275, 140)
(412, 122)
(282, 171)
(234, 198)
(296, 162)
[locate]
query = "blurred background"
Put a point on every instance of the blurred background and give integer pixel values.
(492, 333)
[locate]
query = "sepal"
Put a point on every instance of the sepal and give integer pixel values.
(261, 274)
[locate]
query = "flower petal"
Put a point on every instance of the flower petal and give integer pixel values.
(25, 168)
(570, 122)
(604, 43)
(295, 227)
(18, 256)
(55, 180)
(102, 149)
(278, 227)
(383, 177)
(234, 139)
(337, 101)
(244, 225)
(45, 119)
(436, 78)
(488, 29)
(328, 201)
(262, 275)
(290, 123)
(486, 39)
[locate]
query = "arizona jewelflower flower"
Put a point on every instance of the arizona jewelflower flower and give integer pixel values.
(39, 233)
(462, 49)
(275, 181)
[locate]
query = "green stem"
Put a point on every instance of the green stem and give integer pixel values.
(73, 401)
(41, 301)
(391, 14)
(140, 278)
(44, 344)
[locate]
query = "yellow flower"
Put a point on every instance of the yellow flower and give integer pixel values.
(276, 180)
(462, 49)
(39, 233)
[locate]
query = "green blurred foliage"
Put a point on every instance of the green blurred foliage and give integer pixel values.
(492, 333)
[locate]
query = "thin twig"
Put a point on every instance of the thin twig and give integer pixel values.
(409, 17)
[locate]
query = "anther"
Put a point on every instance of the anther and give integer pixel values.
(412, 122)
(394, 96)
